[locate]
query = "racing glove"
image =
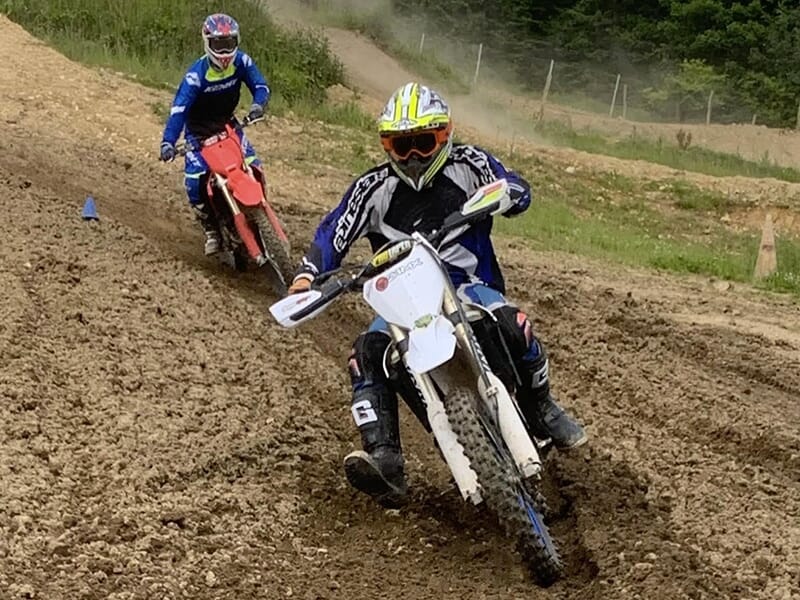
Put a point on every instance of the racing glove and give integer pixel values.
(256, 112)
(168, 152)
(301, 283)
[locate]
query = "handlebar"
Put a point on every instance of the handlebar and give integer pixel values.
(294, 309)
(330, 287)
(184, 147)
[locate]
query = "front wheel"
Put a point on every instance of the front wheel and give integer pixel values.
(276, 250)
(504, 491)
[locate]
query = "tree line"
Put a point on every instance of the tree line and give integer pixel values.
(746, 51)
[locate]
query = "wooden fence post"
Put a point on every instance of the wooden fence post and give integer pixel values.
(546, 90)
(708, 108)
(478, 64)
(767, 261)
(614, 97)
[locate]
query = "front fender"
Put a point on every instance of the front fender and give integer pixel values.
(431, 346)
(246, 189)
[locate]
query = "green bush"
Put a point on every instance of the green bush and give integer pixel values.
(158, 39)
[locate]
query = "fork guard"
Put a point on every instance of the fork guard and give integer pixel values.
(246, 234)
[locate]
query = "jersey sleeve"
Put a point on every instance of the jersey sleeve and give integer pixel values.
(187, 93)
(254, 80)
(342, 226)
(477, 167)
(520, 189)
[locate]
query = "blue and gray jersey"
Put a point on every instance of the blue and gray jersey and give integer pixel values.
(207, 98)
(382, 208)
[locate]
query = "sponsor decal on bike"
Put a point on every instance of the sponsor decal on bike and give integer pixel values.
(403, 269)
(423, 321)
(210, 141)
(384, 280)
(390, 254)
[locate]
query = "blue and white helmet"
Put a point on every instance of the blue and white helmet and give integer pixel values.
(220, 39)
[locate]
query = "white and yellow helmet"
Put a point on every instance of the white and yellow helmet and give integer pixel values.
(416, 132)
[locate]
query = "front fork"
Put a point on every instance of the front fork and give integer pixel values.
(493, 392)
(439, 421)
(273, 218)
(240, 221)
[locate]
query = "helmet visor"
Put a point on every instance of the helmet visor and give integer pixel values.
(422, 143)
(223, 44)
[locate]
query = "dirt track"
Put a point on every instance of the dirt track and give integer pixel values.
(161, 438)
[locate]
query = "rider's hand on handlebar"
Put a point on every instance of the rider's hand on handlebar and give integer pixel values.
(256, 112)
(168, 152)
(301, 283)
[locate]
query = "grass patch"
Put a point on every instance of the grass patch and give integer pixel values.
(552, 225)
(155, 41)
(691, 197)
(695, 159)
(349, 115)
(604, 216)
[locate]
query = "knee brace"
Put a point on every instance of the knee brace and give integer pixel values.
(528, 354)
(366, 362)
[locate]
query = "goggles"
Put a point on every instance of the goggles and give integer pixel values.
(423, 143)
(227, 43)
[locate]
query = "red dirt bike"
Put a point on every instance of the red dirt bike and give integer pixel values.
(250, 230)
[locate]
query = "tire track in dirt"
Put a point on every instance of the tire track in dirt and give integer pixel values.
(673, 402)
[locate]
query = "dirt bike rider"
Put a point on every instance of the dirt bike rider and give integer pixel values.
(426, 178)
(204, 103)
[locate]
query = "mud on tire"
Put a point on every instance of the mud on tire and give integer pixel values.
(504, 492)
(278, 251)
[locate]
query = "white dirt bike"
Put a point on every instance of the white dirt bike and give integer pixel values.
(477, 424)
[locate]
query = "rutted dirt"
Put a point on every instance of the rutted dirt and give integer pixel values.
(160, 437)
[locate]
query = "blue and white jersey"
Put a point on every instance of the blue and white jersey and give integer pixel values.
(382, 208)
(207, 98)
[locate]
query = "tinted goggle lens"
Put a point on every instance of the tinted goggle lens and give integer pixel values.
(227, 43)
(423, 144)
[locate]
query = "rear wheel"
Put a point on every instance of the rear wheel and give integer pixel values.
(277, 251)
(504, 491)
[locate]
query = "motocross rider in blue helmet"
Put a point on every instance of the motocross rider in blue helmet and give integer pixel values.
(204, 103)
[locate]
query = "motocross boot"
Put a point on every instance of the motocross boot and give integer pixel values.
(376, 470)
(544, 417)
(210, 228)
